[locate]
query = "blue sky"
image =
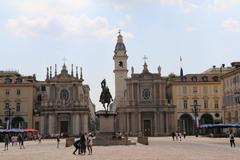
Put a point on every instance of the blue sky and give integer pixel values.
(36, 34)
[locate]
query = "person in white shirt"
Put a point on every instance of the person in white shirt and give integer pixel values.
(90, 143)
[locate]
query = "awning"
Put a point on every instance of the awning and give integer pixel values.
(30, 130)
(230, 125)
(16, 130)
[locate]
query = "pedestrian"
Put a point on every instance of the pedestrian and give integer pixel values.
(90, 143)
(83, 144)
(77, 146)
(184, 134)
(173, 135)
(6, 140)
(232, 140)
(180, 136)
(21, 141)
(58, 141)
(176, 136)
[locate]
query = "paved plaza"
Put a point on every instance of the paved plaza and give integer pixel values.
(160, 148)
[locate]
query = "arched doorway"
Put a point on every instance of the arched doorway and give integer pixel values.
(206, 119)
(18, 122)
(186, 123)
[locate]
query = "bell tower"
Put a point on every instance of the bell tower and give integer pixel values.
(120, 70)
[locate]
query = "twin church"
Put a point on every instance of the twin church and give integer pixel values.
(61, 103)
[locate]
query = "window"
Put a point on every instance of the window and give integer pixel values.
(18, 107)
(43, 88)
(18, 92)
(184, 79)
(215, 89)
(216, 104)
(205, 104)
(215, 78)
(205, 89)
(185, 105)
(194, 79)
(6, 105)
(8, 81)
(195, 102)
(205, 78)
(195, 89)
(18, 81)
(146, 94)
(7, 92)
(184, 90)
(120, 64)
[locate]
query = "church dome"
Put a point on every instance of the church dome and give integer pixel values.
(120, 46)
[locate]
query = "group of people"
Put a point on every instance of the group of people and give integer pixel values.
(14, 139)
(178, 135)
(85, 142)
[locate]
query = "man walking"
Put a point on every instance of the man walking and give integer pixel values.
(232, 140)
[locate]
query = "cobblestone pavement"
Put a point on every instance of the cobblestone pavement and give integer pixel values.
(159, 148)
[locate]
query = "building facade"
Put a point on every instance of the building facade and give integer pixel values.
(63, 104)
(141, 101)
(17, 98)
(203, 92)
(231, 87)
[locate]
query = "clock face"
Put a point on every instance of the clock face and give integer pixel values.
(64, 94)
(146, 94)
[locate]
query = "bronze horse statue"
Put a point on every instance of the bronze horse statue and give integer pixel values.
(105, 96)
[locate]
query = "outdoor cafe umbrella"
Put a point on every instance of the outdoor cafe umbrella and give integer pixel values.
(30, 130)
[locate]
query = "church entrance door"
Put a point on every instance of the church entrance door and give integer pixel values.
(147, 127)
(64, 127)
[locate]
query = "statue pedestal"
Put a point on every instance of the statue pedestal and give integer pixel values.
(106, 122)
(106, 135)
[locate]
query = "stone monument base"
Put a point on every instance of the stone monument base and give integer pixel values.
(106, 135)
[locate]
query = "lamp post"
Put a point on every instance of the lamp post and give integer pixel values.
(9, 112)
(196, 110)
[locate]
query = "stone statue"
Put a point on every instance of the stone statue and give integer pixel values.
(132, 70)
(105, 96)
(159, 70)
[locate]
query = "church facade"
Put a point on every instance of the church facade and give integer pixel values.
(63, 104)
(141, 100)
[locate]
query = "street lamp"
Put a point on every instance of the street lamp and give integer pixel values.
(9, 112)
(196, 110)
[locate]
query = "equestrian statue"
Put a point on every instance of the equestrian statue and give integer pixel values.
(105, 97)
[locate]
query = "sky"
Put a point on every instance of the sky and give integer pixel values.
(36, 34)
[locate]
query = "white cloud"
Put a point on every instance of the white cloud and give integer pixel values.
(62, 26)
(232, 24)
(185, 5)
(58, 18)
(190, 29)
(223, 5)
(46, 6)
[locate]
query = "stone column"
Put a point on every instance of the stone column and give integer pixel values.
(127, 125)
(42, 125)
(167, 122)
(139, 124)
(85, 123)
(155, 124)
(51, 122)
(76, 124)
(161, 123)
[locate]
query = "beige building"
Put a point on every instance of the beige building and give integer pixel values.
(206, 91)
(231, 86)
(63, 104)
(17, 98)
(140, 101)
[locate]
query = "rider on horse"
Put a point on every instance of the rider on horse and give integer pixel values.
(105, 96)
